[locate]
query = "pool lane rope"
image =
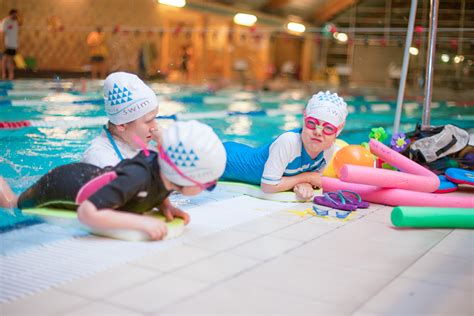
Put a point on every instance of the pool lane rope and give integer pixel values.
(44, 102)
(78, 122)
(72, 123)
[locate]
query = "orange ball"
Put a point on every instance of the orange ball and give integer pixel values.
(352, 155)
(329, 170)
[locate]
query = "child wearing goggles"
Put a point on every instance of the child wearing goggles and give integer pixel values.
(119, 195)
(296, 159)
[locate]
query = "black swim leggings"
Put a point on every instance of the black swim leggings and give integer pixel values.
(59, 187)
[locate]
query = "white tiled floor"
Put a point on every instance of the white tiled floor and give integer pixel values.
(284, 264)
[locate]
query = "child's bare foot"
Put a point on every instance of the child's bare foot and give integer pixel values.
(8, 199)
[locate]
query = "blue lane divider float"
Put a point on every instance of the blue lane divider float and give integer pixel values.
(250, 113)
(192, 98)
(79, 122)
(5, 102)
(97, 121)
(6, 85)
(95, 101)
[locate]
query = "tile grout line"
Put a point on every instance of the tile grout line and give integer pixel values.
(233, 276)
(401, 272)
(214, 284)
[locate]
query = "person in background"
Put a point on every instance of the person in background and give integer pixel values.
(98, 53)
(296, 159)
(10, 28)
(186, 54)
(190, 159)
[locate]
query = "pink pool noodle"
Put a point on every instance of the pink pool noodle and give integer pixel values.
(414, 176)
(398, 160)
(388, 178)
(396, 197)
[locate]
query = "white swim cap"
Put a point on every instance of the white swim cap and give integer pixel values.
(127, 98)
(196, 150)
(328, 107)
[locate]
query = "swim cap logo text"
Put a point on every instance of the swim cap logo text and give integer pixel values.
(136, 107)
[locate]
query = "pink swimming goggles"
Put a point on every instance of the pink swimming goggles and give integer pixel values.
(313, 123)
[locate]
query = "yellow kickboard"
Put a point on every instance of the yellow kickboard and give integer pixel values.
(68, 218)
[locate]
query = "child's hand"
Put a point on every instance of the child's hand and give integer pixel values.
(170, 211)
(315, 180)
(156, 135)
(155, 228)
(304, 190)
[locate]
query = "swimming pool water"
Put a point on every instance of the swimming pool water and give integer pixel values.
(28, 153)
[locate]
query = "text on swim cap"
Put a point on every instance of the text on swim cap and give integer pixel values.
(135, 107)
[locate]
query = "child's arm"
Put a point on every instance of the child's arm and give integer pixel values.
(89, 215)
(302, 184)
(281, 153)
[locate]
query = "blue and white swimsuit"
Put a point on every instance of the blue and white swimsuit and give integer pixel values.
(283, 157)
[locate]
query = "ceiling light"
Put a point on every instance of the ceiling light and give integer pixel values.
(173, 3)
(296, 27)
(460, 58)
(445, 58)
(341, 37)
(413, 51)
(245, 19)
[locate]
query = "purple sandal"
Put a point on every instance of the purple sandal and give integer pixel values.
(353, 198)
(338, 202)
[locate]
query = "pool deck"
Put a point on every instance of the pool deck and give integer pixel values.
(283, 263)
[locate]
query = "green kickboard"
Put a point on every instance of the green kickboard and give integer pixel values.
(256, 191)
(68, 218)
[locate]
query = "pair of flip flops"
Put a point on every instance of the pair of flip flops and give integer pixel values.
(343, 200)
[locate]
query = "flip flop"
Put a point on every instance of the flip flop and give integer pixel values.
(446, 186)
(460, 176)
(338, 202)
(353, 198)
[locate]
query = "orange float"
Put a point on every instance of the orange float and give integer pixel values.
(352, 155)
(329, 171)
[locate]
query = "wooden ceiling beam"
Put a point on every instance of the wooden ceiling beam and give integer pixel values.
(331, 8)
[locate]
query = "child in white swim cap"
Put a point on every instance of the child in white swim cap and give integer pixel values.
(296, 159)
(131, 107)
